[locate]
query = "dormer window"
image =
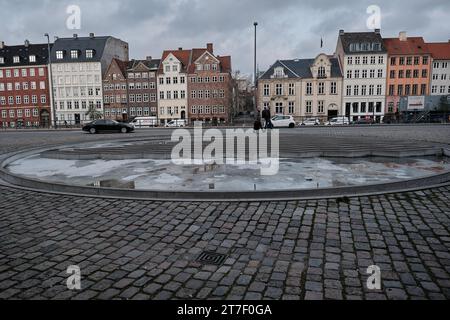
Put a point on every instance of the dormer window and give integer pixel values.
(321, 72)
(199, 67)
(59, 55)
(365, 46)
(32, 58)
(16, 59)
(279, 72)
(89, 53)
(377, 46)
(74, 54)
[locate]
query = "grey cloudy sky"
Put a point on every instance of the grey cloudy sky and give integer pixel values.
(287, 28)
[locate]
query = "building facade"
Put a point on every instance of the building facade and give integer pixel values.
(363, 59)
(172, 86)
(210, 87)
(115, 91)
(142, 87)
(440, 74)
(24, 86)
(78, 66)
(303, 88)
(409, 70)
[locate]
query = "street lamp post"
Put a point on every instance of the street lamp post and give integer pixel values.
(50, 73)
(255, 83)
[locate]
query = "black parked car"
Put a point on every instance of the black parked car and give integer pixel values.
(108, 126)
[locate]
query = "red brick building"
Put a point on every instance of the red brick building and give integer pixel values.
(24, 86)
(130, 89)
(142, 87)
(210, 86)
(115, 91)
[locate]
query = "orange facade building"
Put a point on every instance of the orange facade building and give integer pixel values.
(408, 71)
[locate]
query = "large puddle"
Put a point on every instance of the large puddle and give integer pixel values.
(164, 175)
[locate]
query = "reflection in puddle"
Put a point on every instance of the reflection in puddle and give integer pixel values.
(144, 174)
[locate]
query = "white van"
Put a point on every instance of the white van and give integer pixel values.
(176, 124)
(338, 121)
(145, 122)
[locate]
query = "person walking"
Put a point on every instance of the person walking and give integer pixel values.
(266, 115)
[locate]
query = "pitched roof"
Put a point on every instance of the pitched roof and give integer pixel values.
(182, 55)
(440, 50)
(301, 68)
(348, 38)
(412, 45)
(150, 64)
(81, 44)
(24, 52)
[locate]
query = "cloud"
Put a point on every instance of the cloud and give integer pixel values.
(287, 28)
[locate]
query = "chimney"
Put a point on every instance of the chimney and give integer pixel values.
(75, 36)
(402, 36)
(180, 48)
(27, 43)
(210, 47)
(341, 32)
(377, 31)
(2, 44)
(148, 58)
(91, 35)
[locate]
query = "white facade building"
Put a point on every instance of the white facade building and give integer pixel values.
(78, 65)
(172, 86)
(363, 60)
(440, 78)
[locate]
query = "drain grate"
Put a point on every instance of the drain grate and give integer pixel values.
(212, 258)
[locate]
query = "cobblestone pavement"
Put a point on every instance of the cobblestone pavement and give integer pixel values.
(276, 250)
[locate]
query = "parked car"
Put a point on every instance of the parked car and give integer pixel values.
(108, 126)
(362, 121)
(338, 121)
(145, 122)
(283, 121)
(310, 122)
(176, 124)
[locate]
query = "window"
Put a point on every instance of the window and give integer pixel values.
(279, 89)
(32, 58)
(416, 61)
(363, 107)
(309, 88)
(379, 89)
(380, 60)
(350, 60)
(349, 90)
(89, 53)
(308, 106)
(425, 60)
(356, 90)
(59, 55)
(333, 89)
(321, 89)
(291, 108)
(380, 73)
(393, 61)
(356, 74)
(321, 72)
(279, 108)
(2, 60)
(355, 107)
(74, 54)
(291, 89)
(349, 74)
(320, 106)
(266, 90)
(409, 61)
(16, 59)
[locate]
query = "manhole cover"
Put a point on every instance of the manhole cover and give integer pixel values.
(212, 258)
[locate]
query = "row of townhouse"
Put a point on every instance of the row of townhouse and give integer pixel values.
(367, 77)
(93, 77)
